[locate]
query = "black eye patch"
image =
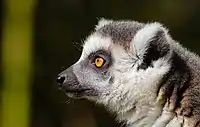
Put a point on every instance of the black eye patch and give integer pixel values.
(106, 55)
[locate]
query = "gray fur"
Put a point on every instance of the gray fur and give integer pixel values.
(121, 32)
(148, 80)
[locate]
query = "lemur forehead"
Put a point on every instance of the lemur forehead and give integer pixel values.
(121, 32)
(96, 42)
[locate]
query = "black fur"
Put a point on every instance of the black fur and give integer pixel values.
(156, 49)
(176, 81)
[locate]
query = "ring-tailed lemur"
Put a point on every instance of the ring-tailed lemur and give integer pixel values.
(138, 72)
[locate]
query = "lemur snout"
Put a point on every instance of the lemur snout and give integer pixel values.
(67, 79)
(60, 80)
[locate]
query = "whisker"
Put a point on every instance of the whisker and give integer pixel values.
(77, 45)
(68, 101)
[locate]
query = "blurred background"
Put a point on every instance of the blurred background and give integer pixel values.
(36, 44)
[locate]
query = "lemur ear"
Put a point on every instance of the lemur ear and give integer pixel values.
(102, 22)
(150, 43)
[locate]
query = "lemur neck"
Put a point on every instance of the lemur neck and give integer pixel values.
(161, 112)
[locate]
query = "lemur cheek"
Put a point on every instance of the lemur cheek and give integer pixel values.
(111, 80)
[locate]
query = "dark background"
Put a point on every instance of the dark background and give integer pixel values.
(58, 23)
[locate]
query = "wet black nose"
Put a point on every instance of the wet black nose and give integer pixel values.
(60, 80)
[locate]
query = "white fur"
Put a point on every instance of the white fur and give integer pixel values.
(133, 88)
(143, 36)
(94, 43)
(133, 94)
(138, 89)
(102, 22)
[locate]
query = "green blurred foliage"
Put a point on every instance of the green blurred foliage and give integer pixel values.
(16, 63)
(58, 23)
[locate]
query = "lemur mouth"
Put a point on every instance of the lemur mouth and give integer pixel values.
(78, 91)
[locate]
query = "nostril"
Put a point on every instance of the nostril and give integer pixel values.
(60, 80)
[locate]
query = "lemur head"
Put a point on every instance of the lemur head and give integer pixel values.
(122, 64)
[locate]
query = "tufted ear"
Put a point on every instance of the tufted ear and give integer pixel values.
(151, 43)
(102, 22)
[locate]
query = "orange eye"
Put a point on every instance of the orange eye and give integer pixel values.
(99, 62)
